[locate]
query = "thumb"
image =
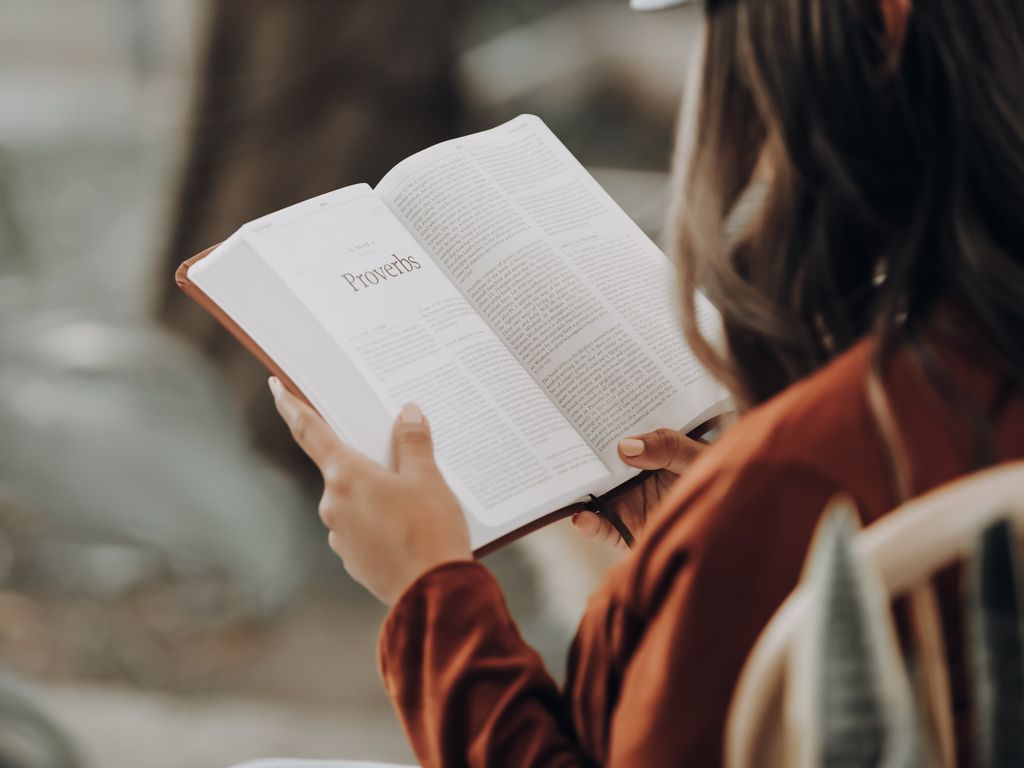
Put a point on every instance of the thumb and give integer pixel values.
(412, 449)
(661, 449)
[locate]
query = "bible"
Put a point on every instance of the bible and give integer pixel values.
(492, 281)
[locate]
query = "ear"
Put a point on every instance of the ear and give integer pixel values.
(896, 15)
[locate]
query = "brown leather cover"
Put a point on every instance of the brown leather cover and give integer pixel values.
(194, 291)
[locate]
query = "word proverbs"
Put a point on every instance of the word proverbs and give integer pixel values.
(400, 266)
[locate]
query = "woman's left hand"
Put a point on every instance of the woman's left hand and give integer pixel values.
(388, 525)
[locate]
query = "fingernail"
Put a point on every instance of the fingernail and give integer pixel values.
(275, 385)
(631, 446)
(411, 414)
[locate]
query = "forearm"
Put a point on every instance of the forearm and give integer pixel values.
(467, 687)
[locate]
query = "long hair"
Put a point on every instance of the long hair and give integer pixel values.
(896, 182)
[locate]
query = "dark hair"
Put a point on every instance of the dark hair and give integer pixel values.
(897, 181)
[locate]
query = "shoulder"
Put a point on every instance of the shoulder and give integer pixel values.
(821, 423)
(819, 427)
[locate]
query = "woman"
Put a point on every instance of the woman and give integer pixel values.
(880, 145)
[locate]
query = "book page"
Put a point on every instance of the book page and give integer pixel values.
(573, 287)
(503, 446)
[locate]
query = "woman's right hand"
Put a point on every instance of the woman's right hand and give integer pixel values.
(667, 452)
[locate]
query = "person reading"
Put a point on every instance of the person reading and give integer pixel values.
(850, 187)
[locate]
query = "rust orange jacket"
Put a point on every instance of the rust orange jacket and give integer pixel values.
(660, 647)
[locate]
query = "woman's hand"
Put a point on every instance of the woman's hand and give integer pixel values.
(388, 525)
(666, 451)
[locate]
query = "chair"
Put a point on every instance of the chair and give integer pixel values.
(901, 552)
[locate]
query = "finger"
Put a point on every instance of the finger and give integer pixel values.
(334, 541)
(661, 449)
(412, 449)
(340, 547)
(337, 545)
(587, 523)
(309, 430)
(593, 526)
(326, 510)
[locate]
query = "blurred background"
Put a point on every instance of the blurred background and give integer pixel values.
(166, 595)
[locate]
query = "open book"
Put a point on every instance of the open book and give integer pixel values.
(492, 281)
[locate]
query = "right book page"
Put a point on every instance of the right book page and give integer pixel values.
(571, 285)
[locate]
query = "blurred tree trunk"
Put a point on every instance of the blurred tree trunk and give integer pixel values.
(296, 98)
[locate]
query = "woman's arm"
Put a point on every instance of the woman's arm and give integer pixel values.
(653, 666)
(467, 687)
(722, 555)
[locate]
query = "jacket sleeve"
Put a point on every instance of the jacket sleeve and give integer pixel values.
(695, 605)
(467, 687)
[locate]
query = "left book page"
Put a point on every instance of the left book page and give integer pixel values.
(345, 300)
